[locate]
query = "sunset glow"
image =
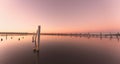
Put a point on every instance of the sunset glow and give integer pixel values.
(60, 15)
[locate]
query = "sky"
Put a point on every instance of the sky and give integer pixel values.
(60, 16)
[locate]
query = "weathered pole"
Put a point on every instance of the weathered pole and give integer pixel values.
(38, 34)
(36, 39)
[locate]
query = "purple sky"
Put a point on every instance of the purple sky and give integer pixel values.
(60, 15)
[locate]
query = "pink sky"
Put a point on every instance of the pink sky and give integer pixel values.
(60, 15)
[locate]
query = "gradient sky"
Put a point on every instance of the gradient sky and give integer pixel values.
(60, 15)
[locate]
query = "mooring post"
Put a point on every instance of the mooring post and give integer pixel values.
(38, 34)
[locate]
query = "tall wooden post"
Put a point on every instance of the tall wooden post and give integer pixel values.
(38, 34)
(36, 38)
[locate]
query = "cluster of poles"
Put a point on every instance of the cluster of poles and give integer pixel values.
(36, 39)
(36, 36)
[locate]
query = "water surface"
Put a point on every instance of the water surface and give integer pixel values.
(59, 50)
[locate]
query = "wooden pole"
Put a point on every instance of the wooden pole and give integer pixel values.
(38, 34)
(35, 40)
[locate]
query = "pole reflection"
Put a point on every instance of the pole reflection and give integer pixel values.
(36, 57)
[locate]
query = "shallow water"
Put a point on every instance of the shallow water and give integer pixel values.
(59, 50)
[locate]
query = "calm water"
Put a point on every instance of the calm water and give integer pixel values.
(59, 50)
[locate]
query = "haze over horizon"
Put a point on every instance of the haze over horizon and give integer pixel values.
(60, 15)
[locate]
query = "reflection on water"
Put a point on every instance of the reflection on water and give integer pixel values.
(60, 50)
